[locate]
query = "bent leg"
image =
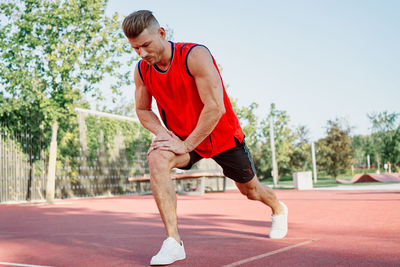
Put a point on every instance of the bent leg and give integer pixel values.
(254, 190)
(160, 165)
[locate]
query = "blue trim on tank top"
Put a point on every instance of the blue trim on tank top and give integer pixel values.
(182, 47)
(140, 71)
(186, 58)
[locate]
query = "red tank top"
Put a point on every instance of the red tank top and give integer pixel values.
(179, 103)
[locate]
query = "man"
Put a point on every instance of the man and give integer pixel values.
(200, 123)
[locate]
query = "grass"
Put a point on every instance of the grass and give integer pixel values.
(286, 182)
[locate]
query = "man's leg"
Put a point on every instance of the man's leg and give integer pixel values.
(238, 165)
(160, 165)
(254, 190)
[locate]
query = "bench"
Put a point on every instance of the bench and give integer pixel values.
(184, 182)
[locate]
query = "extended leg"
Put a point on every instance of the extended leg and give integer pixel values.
(254, 190)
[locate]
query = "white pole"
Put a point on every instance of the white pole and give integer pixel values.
(274, 164)
(368, 162)
(314, 162)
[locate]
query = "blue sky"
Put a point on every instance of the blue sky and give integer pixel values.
(317, 60)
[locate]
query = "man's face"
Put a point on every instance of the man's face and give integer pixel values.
(148, 45)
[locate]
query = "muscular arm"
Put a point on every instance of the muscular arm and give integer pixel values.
(143, 107)
(209, 86)
(210, 89)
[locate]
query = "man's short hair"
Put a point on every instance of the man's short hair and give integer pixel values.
(135, 23)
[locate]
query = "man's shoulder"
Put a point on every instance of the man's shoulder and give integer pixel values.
(183, 44)
(185, 48)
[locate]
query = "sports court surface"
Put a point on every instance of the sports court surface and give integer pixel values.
(326, 228)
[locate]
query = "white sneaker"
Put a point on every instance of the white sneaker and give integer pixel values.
(279, 227)
(170, 252)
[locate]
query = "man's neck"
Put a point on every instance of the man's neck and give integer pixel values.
(166, 57)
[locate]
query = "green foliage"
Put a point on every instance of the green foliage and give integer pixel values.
(363, 145)
(69, 150)
(284, 139)
(102, 132)
(248, 121)
(110, 142)
(300, 156)
(386, 137)
(383, 121)
(137, 140)
(293, 151)
(335, 150)
(53, 52)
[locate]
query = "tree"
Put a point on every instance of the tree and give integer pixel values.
(54, 51)
(284, 138)
(248, 121)
(396, 150)
(300, 156)
(363, 146)
(386, 136)
(335, 150)
(51, 53)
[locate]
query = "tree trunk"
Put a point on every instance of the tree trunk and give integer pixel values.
(51, 173)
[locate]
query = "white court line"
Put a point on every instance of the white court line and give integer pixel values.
(21, 264)
(268, 254)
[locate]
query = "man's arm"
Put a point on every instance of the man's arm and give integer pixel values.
(143, 107)
(209, 86)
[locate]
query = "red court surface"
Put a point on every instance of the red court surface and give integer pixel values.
(326, 228)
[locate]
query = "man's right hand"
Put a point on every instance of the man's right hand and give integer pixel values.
(164, 136)
(168, 142)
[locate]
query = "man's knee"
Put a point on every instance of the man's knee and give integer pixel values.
(160, 160)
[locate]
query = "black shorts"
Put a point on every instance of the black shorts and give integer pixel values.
(236, 162)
